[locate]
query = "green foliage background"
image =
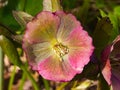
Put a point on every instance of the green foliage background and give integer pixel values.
(100, 18)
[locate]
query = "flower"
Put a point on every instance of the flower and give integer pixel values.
(111, 65)
(57, 46)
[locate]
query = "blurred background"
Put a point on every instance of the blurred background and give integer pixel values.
(88, 12)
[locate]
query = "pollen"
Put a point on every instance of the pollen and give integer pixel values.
(61, 49)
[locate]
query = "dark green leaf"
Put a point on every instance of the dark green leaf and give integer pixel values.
(30, 6)
(4, 31)
(6, 16)
(102, 35)
(100, 3)
(33, 6)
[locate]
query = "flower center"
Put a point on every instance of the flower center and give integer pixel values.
(61, 49)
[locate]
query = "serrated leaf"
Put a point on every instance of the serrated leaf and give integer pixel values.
(9, 49)
(103, 34)
(22, 18)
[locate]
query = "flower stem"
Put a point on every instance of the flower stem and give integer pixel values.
(12, 79)
(30, 77)
(22, 81)
(1, 69)
(102, 84)
(46, 84)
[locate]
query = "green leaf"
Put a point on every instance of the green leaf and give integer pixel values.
(67, 6)
(100, 3)
(33, 6)
(102, 13)
(6, 16)
(9, 49)
(22, 18)
(83, 12)
(102, 35)
(30, 6)
(115, 23)
(117, 11)
(4, 31)
(117, 14)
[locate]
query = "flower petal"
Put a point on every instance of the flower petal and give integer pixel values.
(60, 13)
(68, 23)
(111, 61)
(37, 53)
(115, 79)
(105, 66)
(115, 53)
(106, 71)
(42, 51)
(81, 48)
(115, 63)
(54, 69)
(42, 28)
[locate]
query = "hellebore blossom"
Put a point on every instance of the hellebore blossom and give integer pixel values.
(57, 46)
(111, 66)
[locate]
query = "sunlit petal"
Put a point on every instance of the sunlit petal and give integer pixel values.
(68, 23)
(106, 71)
(54, 69)
(42, 28)
(81, 48)
(38, 52)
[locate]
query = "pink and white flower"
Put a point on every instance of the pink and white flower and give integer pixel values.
(57, 46)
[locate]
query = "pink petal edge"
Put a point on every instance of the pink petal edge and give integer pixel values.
(81, 48)
(54, 69)
(106, 67)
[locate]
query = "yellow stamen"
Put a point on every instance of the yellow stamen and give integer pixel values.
(60, 50)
